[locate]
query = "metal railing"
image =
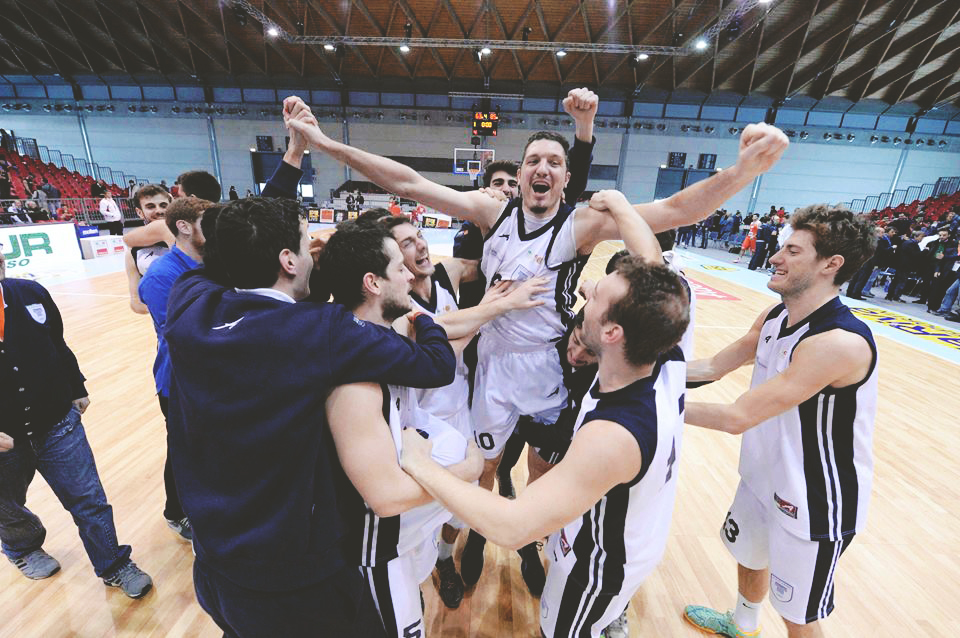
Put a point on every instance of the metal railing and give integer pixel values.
(942, 187)
(84, 210)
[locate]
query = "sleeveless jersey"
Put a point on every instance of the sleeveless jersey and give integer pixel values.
(623, 536)
(510, 252)
(377, 540)
(144, 256)
(452, 399)
(813, 464)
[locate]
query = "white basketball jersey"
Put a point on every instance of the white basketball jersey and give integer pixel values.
(386, 538)
(813, 464)
(675, 263)
(144, 256)
(453, 399)
(516, 251)
(621, 538)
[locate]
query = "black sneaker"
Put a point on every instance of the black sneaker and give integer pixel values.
(505, 484)
(471, 561)
(131, 579)
(181, 527)
(532, 569)
(451, 585)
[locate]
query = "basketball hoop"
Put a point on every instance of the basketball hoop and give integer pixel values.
(473, 172)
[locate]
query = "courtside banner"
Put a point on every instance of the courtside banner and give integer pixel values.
(40, 247)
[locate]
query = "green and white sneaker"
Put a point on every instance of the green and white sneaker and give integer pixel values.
(715, 622)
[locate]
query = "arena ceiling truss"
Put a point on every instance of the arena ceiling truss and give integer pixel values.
(892, 51)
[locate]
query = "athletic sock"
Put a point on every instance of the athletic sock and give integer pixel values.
(747, 614)
(446, 550)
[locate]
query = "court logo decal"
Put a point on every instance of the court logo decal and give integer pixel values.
(703, 291)
(782, 590)
(721, 268)
(915, 327)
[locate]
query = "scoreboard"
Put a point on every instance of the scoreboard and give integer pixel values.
(485, 123)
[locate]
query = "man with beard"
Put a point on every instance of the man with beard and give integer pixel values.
(619, 474)
(183, 221)
(806, 461)
(518, 370)
(151, 203)
(434, 291)
(395, 527)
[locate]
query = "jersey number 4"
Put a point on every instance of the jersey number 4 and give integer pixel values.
(671, 461)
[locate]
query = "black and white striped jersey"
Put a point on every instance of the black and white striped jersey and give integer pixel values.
(375, 540)
(813, 464)
(621, 538)
(450, 400)
(520, 247)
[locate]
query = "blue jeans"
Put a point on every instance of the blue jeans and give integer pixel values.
(950, 297)
(64, 458)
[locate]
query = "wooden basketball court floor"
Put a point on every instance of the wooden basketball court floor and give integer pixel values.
(899, 578)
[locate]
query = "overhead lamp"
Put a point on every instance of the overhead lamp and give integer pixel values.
(132, 109)
(273, 32)
(827, 136)
(851, 137)
(874, 139)
(884, 139)
(253, 150)
(942, 144)
(709, 129)
(897, 140)
(408, 30)
(47, 108)
(661, 127)
(684, 127)
(642, 56)
(700, 44)
(329, 47)
(485, 51)
(930, 142)
(733, 130)
(804, 135)
(404, 48)
(561, 53)
(526, 33)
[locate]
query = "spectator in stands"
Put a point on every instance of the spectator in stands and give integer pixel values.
(902, 224)
(906, 258)
(942, 255)
(163, 185)
(111, 213)
(750, 240)
(39, 197)
(53, 194)
(351, 202)
(97, 189)
(249, 193)
(360, 200)
(131, 188)
(233, 195)
(35, 213)
(5, 185)
(726, 228)
(199, 184)
(859, 280)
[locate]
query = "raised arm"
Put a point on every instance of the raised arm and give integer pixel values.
(850, 358)
(394, 176)
(601, 456)
(581, 105)
(737, 354)
(761, 145)
(637, 236)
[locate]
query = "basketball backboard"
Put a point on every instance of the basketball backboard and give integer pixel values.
(468, 161)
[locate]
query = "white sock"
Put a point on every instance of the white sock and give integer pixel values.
(747, 614)
(446, 550)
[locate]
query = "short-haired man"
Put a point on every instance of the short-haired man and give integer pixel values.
(434, 291)
(111, 213)
(518, 370)
(183, 220)
(393, 523)
(151, 203)
(199, 184)
(619, 474)
(806, 461)
(255, 466)
(43, 396)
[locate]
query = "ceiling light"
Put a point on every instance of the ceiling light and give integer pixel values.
(804, 135)
(827, 136)
(700, 45)
(764, 1)
(485, 51)
(942, 144)
(851, 137)
(733, 130)
(642, 56)
(329, 47)
(273, 32)
(404, 48)
(253, 150)
(561, 53)
(897, 140)
(874, 139)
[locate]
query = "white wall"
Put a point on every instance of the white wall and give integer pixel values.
(161, 148)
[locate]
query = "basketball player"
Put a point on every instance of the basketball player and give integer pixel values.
(394, 530)
(806, 463)
(750, 241)
(151, 203)
(518, 370)
(619, 473)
